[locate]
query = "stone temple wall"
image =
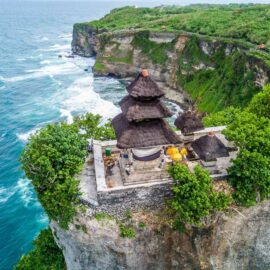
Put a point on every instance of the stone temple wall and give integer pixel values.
(117, 202)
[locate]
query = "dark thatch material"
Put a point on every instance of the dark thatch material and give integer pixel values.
(142, 134)
(188, 122)
(209, 147)
(135, 110)
(144, 88)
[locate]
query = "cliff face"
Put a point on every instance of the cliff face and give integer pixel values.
(214, 73)
(237, 241)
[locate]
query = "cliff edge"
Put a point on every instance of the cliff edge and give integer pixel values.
(237, 241)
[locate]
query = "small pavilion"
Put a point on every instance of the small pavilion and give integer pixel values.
(209, 148)
(142, 132)
(189, 122)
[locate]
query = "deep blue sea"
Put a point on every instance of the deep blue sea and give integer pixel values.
(36, 88)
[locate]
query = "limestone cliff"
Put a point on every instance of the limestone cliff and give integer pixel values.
(215, 73)
(235, 241)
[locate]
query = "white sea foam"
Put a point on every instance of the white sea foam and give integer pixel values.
(25, 136)
(82, 98)
(44, 39)
(21, 59)
(25, 191)
(67, 115)
(2, 87)
(43, 219)
(48, 70)
(5, 194)
(67, 37)
(45, 62)
(23, 188)
(57, 48)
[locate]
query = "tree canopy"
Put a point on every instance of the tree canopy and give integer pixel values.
(249, 129)
(46, 255)
(194, 196)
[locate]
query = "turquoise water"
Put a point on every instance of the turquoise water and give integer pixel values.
(36, 88)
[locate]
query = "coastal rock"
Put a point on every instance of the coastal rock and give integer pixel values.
(118, 54)
(238, 240)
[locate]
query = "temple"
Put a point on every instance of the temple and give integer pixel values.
(131, 172)
(142, 131)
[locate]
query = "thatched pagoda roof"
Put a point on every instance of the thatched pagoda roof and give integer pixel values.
(142, 134)
(143, 87)
(188, 122)
(209, 147)
(135, 110)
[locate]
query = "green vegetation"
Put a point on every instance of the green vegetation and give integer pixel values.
(50, 160)
(54, 156)
(128, 214)
(157, 52)
(126, 231)
(194, 197)
(250, 131)
(99, 66)
(92, 126)
(246, 22)
(46, 255)
(260, 104)
(101, 215)
(221, 118)
(125, 60)
(263, 55)
(142, 225)
(227, 82)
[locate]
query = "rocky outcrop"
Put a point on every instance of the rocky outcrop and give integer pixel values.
(175, 60)
(84, 40)
(235, 241)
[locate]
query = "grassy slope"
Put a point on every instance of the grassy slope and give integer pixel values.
(247, 22)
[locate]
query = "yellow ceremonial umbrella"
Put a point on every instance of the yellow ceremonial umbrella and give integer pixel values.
(183, 151)
(172, 150)
(176, 157)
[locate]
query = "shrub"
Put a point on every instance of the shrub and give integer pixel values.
(260, 104)
(221, 118)
(93, 127)
(101, 215)
(126, 231)
(50, 160)
(250, 177)
(46, 255)
(194, 197)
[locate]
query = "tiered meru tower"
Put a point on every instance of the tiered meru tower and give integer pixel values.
(140, 127)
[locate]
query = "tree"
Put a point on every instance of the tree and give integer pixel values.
(221, 118)
(93, 128)
(260, 103)
(46, 255)
(50, 160)
(250, 132)
(194, 197)
(250, 177)
(249, 174)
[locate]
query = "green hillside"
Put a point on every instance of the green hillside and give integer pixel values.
(250, 23)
